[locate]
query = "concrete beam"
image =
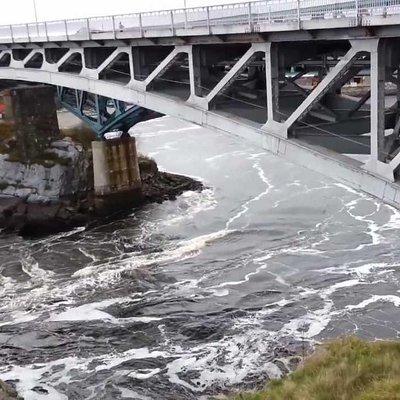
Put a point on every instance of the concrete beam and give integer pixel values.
(325, 85)
(230, 77)
(164, 65)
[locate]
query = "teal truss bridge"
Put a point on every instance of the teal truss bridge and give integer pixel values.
(101, 113)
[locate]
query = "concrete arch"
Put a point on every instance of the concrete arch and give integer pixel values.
(316, 159)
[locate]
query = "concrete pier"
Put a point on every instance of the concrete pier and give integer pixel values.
(116, 172)
(32, 111)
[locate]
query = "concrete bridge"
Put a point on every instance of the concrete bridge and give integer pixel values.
(242, 69)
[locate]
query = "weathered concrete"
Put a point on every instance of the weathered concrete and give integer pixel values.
(116, 173)
(32, 111)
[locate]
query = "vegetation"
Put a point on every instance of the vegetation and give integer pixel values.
(81, 134)
(345, 369)
(46, 159)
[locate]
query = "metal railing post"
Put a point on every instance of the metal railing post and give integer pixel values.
(357, 12)
(46, 32)
(88, 28)
(172, 22)
(66, 28)
(113, 24)
(298, 15)
(141, 25)
(186, 19)
(27, 32)
(208, 20)
(249, 12)
(12, 34)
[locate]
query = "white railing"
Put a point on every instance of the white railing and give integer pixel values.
(186, 21)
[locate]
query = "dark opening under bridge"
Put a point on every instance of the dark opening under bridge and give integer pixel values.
(227, 68)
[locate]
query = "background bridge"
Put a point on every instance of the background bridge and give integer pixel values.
(100, 113)
(311, 81)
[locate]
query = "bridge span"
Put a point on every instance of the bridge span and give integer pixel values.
(315, 82)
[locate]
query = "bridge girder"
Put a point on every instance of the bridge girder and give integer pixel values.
(100, 113)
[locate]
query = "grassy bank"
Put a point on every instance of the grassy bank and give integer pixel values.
(346, 369)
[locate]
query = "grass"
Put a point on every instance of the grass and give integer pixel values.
(345, 369)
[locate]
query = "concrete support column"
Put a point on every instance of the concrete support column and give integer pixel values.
(115, 166)
(378, 62)
(272, 80)
(138, 62)
(101, 173)
(195, 70)
(32, 111)
(378, 157)
(273, 124)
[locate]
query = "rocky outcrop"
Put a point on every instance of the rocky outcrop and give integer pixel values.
(60, 172)
(7, 392)
(54, 196)
(159, 186)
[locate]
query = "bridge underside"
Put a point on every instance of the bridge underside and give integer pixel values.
(100, 113)
(331, 105)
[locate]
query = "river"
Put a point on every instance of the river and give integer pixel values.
(217, 290)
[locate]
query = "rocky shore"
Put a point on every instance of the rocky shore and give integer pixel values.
(19, 215)
(55, 193)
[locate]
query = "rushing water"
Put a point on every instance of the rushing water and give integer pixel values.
(216, 290)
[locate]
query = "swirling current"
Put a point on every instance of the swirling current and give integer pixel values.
(215, 291)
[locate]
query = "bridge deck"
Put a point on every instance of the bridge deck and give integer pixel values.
(239, 18)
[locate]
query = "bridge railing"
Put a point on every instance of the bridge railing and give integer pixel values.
(198, 20)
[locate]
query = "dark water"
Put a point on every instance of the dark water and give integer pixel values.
(211, 292)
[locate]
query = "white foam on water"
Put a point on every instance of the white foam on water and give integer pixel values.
(363, 270)
(88, 312)
(94, 311)
(31, 267)
(19, 317)
(155, 133)
(194, 204)
(144, 373)
(29, 377)
(314, 322)
(43, 375)
(395, 300)
(131, 394)
(246, 205)
(224, 155)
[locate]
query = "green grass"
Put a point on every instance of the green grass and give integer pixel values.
(345, 369)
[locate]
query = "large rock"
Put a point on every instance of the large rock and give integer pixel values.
(8, 393)
(63, 172)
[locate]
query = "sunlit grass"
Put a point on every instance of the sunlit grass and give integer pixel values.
(345, 369)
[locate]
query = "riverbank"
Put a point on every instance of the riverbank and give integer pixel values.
(20, 215)
(344, 369)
